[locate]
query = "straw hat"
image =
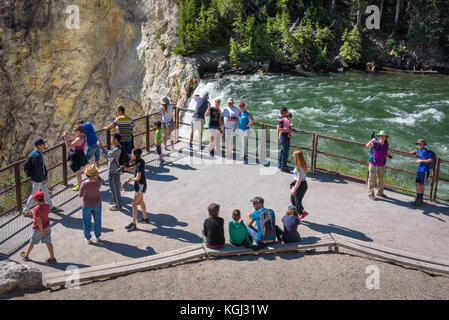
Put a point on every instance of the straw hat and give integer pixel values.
(382, 133)
(91, 170)
(421, 141)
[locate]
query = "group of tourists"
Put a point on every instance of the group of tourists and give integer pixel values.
(260, 226)
(378, 156)
(226, 123)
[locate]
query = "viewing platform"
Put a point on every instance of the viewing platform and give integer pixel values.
(178, 195)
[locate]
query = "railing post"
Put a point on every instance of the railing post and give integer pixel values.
(65, 180)
(18, 189)
(177, 124)
(315, 152)
(108, 139)
(147, 132)
(437, 177)
(312, 161)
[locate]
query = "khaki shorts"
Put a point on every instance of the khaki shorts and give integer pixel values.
(198, 124)
(37, 236)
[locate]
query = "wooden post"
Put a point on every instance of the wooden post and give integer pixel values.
(312, 161)
(263, 145)
(18, 189)
(437, 178)
(315, 151)
(177, 120)
(432, 183)
(147, 132)
(108, 139)
(65, 179)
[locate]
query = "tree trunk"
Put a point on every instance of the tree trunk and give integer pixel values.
(381, 11)
(398, 10)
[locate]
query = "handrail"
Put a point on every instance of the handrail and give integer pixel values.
(316, 137)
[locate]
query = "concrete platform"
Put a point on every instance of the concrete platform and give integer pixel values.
(178, 195)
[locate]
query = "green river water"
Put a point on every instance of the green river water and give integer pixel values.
(350, 106)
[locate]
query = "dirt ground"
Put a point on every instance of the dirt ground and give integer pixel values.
(292, 276)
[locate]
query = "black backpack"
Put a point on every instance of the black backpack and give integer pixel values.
(124, 158)
(267, 227)
(28, 167)
(434, 159)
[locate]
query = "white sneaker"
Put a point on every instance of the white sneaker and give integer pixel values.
(98, 240)
(88, 241)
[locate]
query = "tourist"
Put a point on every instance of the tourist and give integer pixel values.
(422, 175)
(91, 207)
(125, 127)
(377, 159)
(202, 104)
(213, 228)
(41, 227)
(113, 157)
(215, 123)
(284, 140)
(36, 170)
(299, 186)
(168, 125)
(76, 156)
(140, 187)
(158, 140)
(238, 234)
(231, 120)
(245, 121)
(287, 125)
(91, 136)
(265, 231)
(290, 222)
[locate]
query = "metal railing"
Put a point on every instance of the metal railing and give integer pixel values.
(348, 159)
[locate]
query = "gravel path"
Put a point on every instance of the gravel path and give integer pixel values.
(286, 276)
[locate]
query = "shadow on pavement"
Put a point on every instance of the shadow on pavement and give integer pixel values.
(332, 228)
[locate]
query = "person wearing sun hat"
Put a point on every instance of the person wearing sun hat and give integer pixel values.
(91, 207)
(377, 159)
(424, 161)
(41, 227)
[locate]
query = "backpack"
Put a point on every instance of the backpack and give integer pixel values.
(434, 159)
(28, 167)
(267, 227)
(124, 158)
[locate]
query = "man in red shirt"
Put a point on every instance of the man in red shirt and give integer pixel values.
(41, 227)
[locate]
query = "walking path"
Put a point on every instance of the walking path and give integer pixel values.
(178, 195)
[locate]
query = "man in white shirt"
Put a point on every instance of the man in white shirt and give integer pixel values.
(231, 120)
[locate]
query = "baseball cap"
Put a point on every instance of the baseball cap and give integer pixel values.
(230, 100)
(257, 200)
(241, 104)
(38, 196)
(39, 141)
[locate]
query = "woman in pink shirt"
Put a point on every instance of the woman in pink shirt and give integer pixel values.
(90, 192)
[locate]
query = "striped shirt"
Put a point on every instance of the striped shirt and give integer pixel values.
(125, 127)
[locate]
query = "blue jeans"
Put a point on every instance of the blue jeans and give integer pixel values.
(93, 151)
(87, 221)
(126, 146)
(283, 155)
(252, 233)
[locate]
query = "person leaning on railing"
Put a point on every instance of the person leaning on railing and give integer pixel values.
(422, 175)
(168, 126)
(37, 172)
(377, 158)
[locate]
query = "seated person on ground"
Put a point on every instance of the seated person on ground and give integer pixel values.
(265, 220)
(238, 234)
(290, 221)
(213, 228)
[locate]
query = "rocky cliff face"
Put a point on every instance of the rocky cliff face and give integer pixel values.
(51, 75)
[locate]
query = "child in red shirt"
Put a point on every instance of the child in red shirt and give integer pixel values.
(41, 227)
